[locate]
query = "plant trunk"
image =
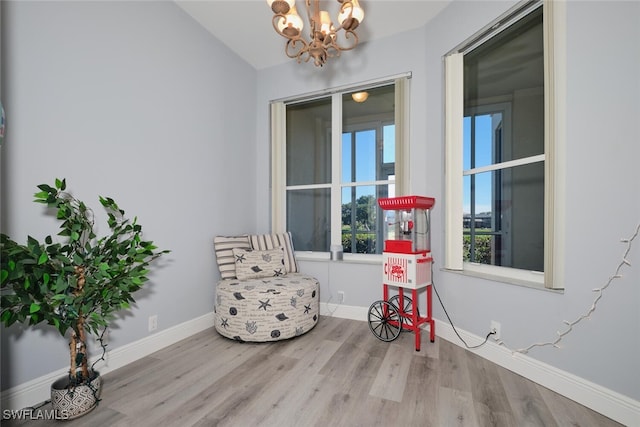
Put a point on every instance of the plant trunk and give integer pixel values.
(78, 352)
(77, 344)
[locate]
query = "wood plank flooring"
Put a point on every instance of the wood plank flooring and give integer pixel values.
(338, 374)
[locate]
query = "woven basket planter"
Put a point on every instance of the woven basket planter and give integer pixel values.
(73, 402)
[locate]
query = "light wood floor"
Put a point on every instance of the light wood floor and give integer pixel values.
(338, 374)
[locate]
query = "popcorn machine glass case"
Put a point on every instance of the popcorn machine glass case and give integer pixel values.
(407, 224)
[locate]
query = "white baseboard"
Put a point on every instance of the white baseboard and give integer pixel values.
(614, 405)
(344, 311)
(607, 402)
(38, 390)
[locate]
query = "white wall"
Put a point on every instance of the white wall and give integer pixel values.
(602, 192)
(136, 101)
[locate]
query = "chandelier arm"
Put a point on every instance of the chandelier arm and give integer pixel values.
(348, 35)
(292, 51)
(313, 16)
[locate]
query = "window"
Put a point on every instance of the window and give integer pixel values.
(325, 189)
(503, 125)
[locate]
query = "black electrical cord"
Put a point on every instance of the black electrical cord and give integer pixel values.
(451, 322)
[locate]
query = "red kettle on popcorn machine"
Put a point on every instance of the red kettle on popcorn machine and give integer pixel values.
(406, 261)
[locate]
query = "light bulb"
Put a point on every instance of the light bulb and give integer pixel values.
(325, 22)
(291, 24)
(281, 6)
(357, 15)
(360, 96)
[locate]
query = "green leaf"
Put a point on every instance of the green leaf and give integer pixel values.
(45, 188)
(3, 276)
(32, 243)
(61, 184)
(6, 317)
(43, 258)
(62, 328)
(61, 285)
(75, 235)
(34, 308)
(41, 195)
(77, 259)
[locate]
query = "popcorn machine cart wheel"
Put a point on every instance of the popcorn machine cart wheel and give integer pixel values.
(406, 266)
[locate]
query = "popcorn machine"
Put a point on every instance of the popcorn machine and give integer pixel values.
(406, 260)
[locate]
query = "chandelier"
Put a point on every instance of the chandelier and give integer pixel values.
(323, 43)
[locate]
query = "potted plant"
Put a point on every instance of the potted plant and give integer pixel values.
(76, 285)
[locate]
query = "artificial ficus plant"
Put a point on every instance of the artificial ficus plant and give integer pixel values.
(76, 285)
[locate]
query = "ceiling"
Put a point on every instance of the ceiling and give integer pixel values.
(258, 44)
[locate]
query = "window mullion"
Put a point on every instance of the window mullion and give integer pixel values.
(472, 191)
(336, 169)
(504, 165)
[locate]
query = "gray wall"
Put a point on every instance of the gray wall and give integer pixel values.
(136, 101)
(602, 193)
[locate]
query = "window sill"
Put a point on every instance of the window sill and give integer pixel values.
(504, 279)
(347, 258)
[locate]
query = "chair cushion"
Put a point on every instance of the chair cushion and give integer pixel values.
(223, 246)
(271, 241)
(254, 264)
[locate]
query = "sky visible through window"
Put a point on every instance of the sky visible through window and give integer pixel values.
(483, 157)
(365, 158)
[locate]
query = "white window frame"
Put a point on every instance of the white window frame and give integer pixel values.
(554, 23)
(278, 159)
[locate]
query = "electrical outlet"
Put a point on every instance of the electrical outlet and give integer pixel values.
(340, 297)
(153, 323)
(495, 327)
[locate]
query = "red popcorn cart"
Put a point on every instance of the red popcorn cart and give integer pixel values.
(406, 261)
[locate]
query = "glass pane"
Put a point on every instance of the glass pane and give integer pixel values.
(482, 247)
(309, 143)
(527, 216)
(504, 95)
(380, 100)
(503, 221)
(477, 194)
(466, 143)
(361, 166)
(309, 219)
(389, 144)
(362, 219)
(482, 140)
(368, 139)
